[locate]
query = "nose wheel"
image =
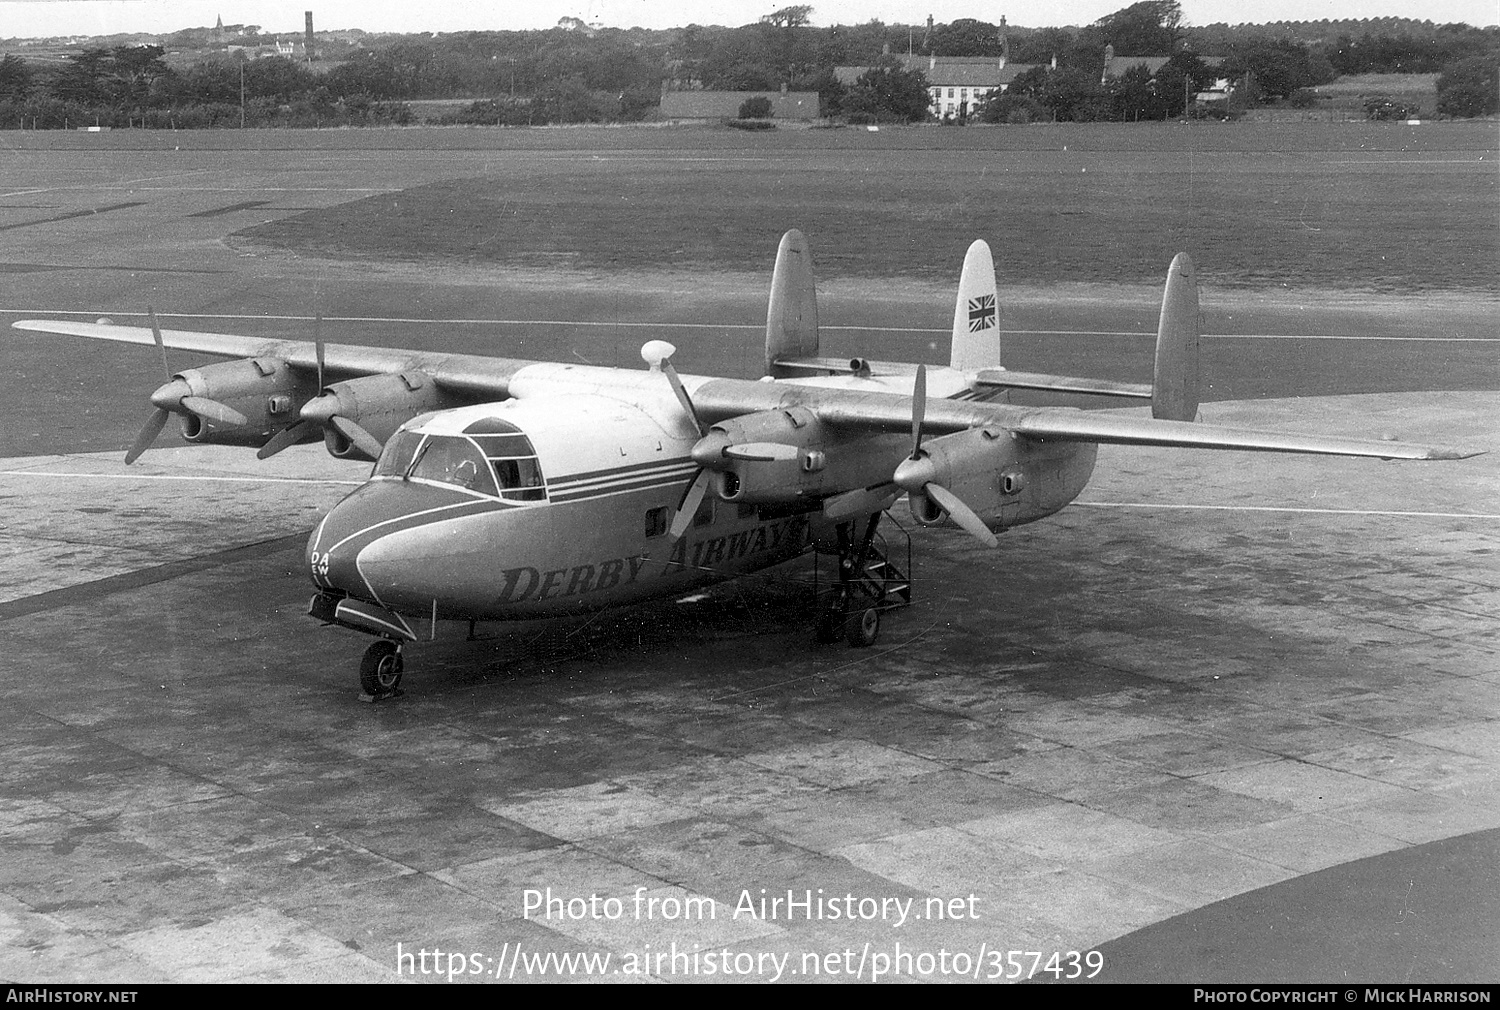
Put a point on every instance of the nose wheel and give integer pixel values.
(380, 671)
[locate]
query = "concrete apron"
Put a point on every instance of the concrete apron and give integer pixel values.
(1126, 713)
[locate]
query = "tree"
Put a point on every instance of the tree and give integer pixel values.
(15, 78)
(789, 17)
(1279, 66)
(1148, 28)
(966, 37)
(758, 107)
(1181, 77)
(890, 91)
(1470, 87)
(1133, 97)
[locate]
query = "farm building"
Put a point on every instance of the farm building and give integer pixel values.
(956, 85)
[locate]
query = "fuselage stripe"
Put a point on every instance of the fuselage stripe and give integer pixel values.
(620, 471)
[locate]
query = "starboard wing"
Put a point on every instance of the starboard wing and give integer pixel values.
(469, 373)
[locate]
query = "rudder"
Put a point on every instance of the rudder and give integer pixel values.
(1174, 389)
(792, 315)
(976, 318)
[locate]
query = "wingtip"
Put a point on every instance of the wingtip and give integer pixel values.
(1457, 453)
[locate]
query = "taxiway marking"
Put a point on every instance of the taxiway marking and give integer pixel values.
(164, 476)
(1286, 508)
(632, 324)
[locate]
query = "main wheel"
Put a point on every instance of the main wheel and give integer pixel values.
(863, 631)
(380, 669)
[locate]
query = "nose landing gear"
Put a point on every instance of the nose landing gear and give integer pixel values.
(380, 671)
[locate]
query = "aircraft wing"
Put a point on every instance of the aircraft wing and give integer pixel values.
(867, 411)
(720, 399)
(466, 372)
(1093, 426)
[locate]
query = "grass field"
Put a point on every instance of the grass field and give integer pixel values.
(1349, 93)
(1379, 207)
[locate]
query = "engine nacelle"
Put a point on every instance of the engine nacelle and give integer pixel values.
(1006, 479)
(790, 455)
(379, 404)
(267, 391)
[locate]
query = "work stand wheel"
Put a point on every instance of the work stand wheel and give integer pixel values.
(864, 629)
(831, 620)
(380, 671)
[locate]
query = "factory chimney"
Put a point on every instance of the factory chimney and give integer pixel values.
(308, 46)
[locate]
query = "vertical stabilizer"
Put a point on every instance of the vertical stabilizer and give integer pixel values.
(792, 316)
(976, 316)
(1174, 391)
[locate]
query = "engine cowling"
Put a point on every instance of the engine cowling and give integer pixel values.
(267, 392)
(790, 455)
(378, 404)
(1005, 479)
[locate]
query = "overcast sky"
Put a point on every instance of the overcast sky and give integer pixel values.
(26, 18)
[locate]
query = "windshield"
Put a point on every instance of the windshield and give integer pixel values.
(398, 453)
(448, 459)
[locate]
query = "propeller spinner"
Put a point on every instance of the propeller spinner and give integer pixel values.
(175, 396)
(322, 411)
(917, 474)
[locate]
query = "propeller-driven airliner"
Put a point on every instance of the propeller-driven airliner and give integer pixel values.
(505, 489)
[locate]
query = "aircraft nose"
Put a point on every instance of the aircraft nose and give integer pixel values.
(384, 536)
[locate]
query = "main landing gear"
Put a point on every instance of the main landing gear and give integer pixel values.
(869, 584)
(380, 671)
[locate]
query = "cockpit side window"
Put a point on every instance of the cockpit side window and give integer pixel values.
(512, 459)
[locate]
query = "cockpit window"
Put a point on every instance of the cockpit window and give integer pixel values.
(512, 459)
(492, 458)
(398, 454)
(448, 459)
(451, 459)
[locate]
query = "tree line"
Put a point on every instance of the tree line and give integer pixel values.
(574, 74)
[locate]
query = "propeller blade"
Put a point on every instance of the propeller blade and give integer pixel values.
(154, 424)
(363, 440)
(285, 438)
(962, 514)
(682, 395)
(318, 346)
(918, 410)
(160, 344)
(861, 501)
(761, 452)
(689, 507)
(215, 411)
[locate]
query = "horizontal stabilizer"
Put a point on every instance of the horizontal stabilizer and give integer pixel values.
(845, 366)
(1004, 378)
(1113, 429)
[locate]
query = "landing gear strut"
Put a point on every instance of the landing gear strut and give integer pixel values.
(868, 584)
(380, 671)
